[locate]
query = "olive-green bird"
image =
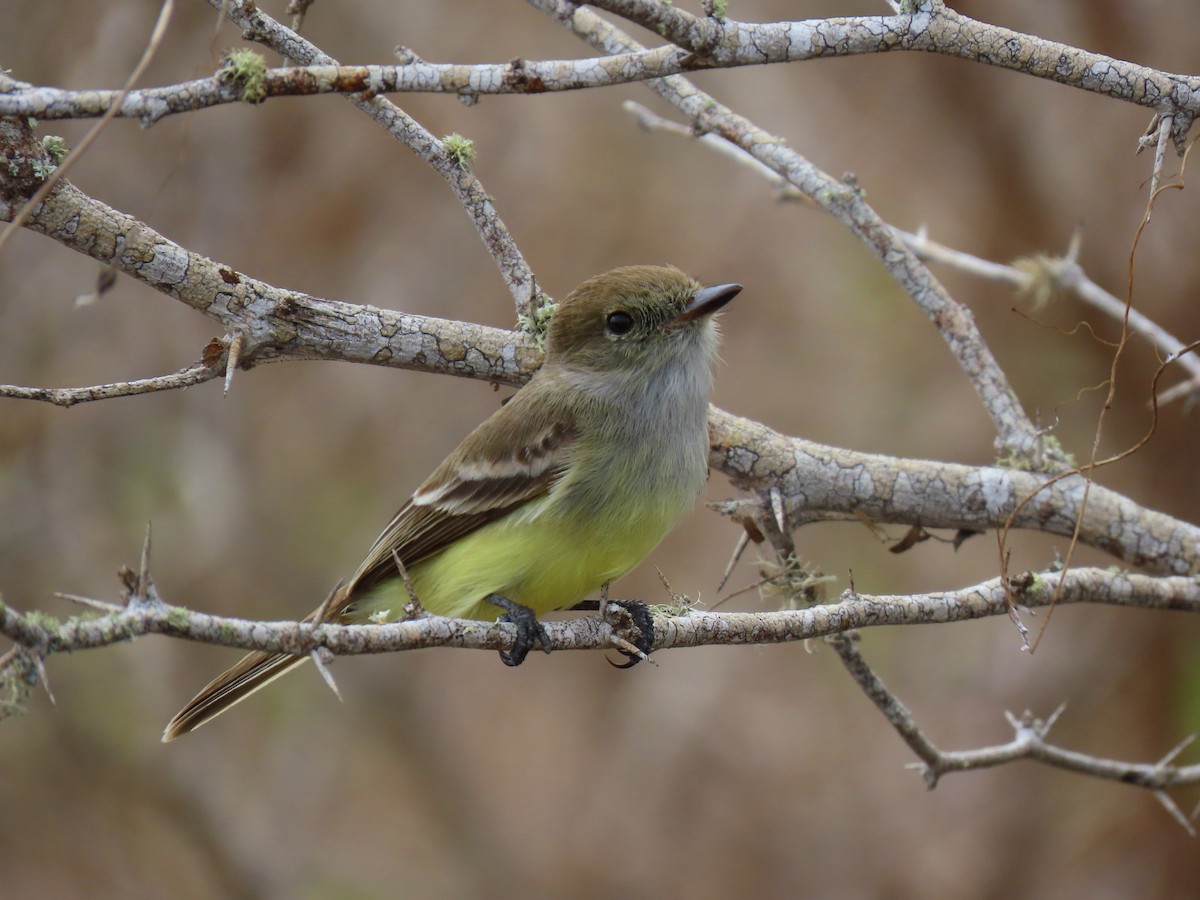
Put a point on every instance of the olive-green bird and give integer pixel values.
(563, 489)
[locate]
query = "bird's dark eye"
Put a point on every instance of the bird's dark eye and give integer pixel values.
(619, 322)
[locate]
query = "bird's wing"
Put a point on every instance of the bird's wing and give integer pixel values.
(512, 458)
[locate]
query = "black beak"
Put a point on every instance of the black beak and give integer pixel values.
(707, 301)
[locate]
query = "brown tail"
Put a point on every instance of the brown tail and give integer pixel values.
(255, 670)
(231, 687)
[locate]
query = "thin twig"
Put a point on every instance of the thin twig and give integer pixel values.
(197, 374)
(1049, 273)
(257, 25)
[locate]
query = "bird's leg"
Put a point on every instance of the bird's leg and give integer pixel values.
(529, 630)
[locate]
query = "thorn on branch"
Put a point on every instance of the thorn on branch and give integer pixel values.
(101, 605)
(104, 283)
(138, 587)
(1160, 152)
(406, 56)
(233, 360)
(1175, 751)
(44, 678)
(321, 657)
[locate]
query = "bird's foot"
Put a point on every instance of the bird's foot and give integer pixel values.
(530, 632)
(635, 613)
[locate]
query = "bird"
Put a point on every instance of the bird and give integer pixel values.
(563, 489)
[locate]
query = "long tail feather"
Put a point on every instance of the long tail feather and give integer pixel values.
(256, 670)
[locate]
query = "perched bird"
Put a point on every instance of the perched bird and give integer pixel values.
(563, 489)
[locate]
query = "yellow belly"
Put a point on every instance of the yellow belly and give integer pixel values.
(534, 560)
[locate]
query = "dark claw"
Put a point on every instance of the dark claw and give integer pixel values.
(530, 632)
(639, 612)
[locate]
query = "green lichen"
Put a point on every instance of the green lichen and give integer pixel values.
(537, 323)
(1054, 451)
(246, 70)
(56, 147)
(719, 8)
(460, 149)
(1051, 457)
(44, 621)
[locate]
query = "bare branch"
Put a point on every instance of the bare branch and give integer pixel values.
(197, 374)
(150, 105)
(258, 26)
(1059, 273)
(699, 43)
(1038, 275)
(1029, 743)
(691, 628)
(933, 28)
(893, 710)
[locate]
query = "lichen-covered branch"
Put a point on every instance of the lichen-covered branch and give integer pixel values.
(818, 482)
(932, 28)
(697, 43)
(274, 323)
(673, 629)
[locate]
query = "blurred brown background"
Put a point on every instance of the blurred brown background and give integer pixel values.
(756, 770)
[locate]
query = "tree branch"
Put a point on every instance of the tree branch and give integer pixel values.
(932, 28)
(197, 374)
(1041, 276)
(274, 323)
(258, 26)
(700, 43)
(673, 629)
(817, 482)
(1029, 743)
